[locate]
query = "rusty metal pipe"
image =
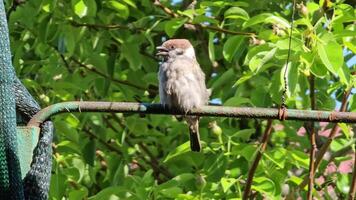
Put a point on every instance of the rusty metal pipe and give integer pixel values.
(217, 111)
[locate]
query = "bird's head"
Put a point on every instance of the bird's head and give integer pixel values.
(175, 47)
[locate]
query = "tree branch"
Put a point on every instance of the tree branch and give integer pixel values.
(108, 26)
(93, 69)
(258, 157)
(324, 148)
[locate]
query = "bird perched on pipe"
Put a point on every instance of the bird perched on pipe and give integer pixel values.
(182, 83)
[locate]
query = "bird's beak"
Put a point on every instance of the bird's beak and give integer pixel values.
(161, 51)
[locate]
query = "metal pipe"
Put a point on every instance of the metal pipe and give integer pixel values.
(218, 111)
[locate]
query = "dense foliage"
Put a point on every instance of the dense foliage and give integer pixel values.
(104, 50)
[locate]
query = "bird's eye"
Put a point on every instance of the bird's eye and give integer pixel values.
(172, 47)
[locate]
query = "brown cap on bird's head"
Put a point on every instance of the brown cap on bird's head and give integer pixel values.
(177, 43)
(172, 44)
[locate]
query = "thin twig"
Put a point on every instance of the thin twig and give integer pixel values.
(324, 148)
(108, 26)
(66, 64)
(13, 7)
(165, 9)
(258, 157)
(93, 69)
(312, 134)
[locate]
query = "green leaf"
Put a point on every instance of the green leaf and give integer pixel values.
(182, 178)
(319, 70)
(120, 174)
(278, 20)
(255, 50)
(295, 179)
(261, 59)
(300, 159)
(81, 193)
(211, 47)
(264, 185)
(121, 9)
(232, 46)
(147, 178)
(247, 151)
(89, 152)
(132, 54)
(226, 78)
(346, 129)
(215, 167)
(331, 55)
(292, 75)
(57, 186)
(244, 134)
(91, 4)
(296, 44)
(173, 25)
(244, 78)
(108, 193)
(80, 9)
(172, 192)
(277, 156)
(237, 101)
(343, 183)
(256, 20)
(226, 183)
(266, 18)
(69, 40)
(261, 96)
(344, 74)
(235, 13)
(204, 19)
(181, 149)
(130, 3)
(110, 68)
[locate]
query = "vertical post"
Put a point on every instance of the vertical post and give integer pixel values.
(10, 167)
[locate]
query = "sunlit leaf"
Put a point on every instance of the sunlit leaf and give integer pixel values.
(256, 19)
(235, 13)
(226, 183)
(121, 9)
(211, 47)
(260, 59)
(183, 148)
(172, 26)
(331, 55)
(80, 8)
(263, 184)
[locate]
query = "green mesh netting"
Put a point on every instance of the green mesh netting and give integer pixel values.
(13, 94)
(10, 180)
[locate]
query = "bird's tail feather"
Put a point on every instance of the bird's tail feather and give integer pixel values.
(194, 134)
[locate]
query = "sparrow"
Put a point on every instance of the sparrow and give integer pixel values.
(182, 83)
